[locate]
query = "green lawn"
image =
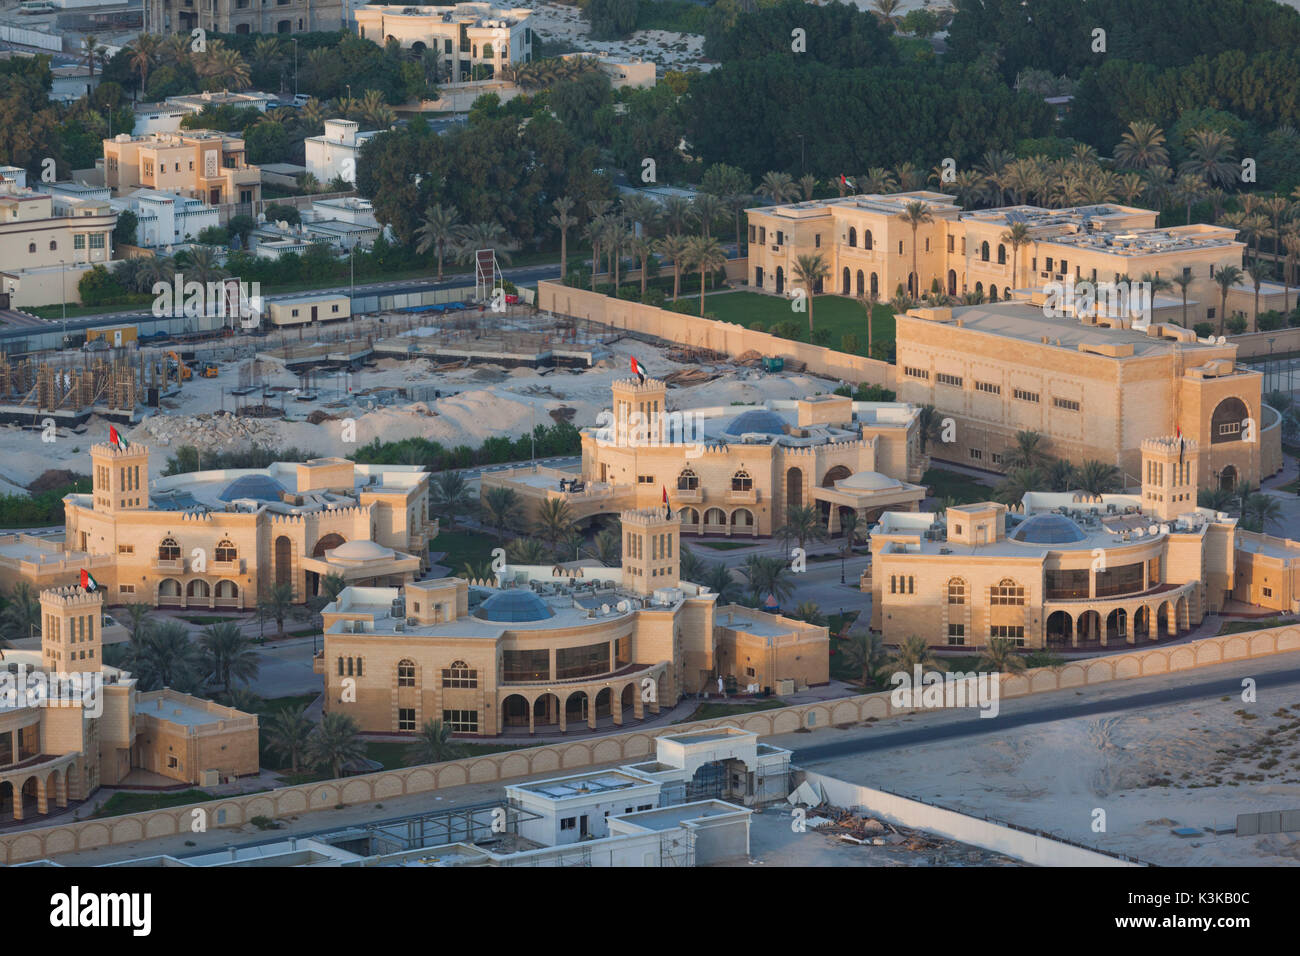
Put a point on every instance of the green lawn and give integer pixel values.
(724, 545)
(120, 803)
(711, 711)
(462, 546)
(1254, 624)
(206, 619)
(951, 484)
(837, 314)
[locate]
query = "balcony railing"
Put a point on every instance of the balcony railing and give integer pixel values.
(169, 564)
(738, 497)
(688, 496)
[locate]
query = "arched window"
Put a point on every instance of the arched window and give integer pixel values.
(741, 481)
(31, 247)
(687, 480)
(956, 591)
(54, 246)
(406, 673)
(853, 237)
(993, 292)
(866, 238)
(1228, 421)
(1002, 254)
(984, 252)
(340, 666)
(1007, 591)
(169, 550)
(459, 674)
(360, 667)
(226, 550)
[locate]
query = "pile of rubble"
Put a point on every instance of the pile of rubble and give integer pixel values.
(208, 431)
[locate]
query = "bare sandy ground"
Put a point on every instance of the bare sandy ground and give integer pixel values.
(1194, 764)
(486, 401)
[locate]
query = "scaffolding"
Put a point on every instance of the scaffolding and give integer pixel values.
(46, 387)
(487, 274)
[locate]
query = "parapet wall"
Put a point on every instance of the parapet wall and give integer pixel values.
(573, 755)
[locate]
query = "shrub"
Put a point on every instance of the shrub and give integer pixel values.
(1236, 325)
(1203, 329)
(1271, 320)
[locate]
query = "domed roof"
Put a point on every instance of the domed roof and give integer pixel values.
(514, 605)
(868, 481)
(1048, 529)
(759, 420)
(359, 551)
(259, 487)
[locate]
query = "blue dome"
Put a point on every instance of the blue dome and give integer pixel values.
(759, 420)
(259, 487)
(1048, 529)
(512, 606)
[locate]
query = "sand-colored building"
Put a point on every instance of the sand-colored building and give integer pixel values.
(466, 36)
(1093, 390)
(213, 539)
(200, 164)
(545, 649)
(735, 470)
(1071, 570)
(70, 724)
(242, 16)
(868, 247)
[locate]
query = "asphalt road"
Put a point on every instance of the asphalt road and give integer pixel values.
(1227, 682)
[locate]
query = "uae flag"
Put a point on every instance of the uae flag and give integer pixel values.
(115, 438)
(637, 371)
(1179, 432)
(668, 512)
(845, 181)
(88, 582)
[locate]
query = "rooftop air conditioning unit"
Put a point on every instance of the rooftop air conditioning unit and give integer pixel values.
(400, 626)
(412, 621)
(358, 627)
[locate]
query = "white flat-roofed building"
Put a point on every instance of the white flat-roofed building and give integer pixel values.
(164, 218)
(337, 153)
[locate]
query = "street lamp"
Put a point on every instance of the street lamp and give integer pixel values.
(63, 291)
(1268, 368)
(295, 66)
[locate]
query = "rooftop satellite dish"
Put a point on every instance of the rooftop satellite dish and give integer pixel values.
(604, 609)
(1221, 340)
(623, 607)
(1153, 530)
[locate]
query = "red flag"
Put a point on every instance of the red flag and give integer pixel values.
(636, 370)
(668, 511)
(116, 439)
(88, 582)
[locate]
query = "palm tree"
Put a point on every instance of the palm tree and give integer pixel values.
(1016, 236)
(1030, 451)
(502, 509)
(640, 209)
(334, 742)
(718, 579)
(288, 732)
(433, 745)
(1291, 242)
(690, 565)
(642, 247)
(440, 230)
(915, 652)
(607, 547)
(807, 186)
(810, 270)
(144, 50)
(852, 525)
(707, 208)
(1217, 499)
(675, 213)
(803, 523)
(876, 180)
(202, 265)
(1097, 477)
(767, 576)
(915, 214)
(1183, 280)
(1258, 273)
(929, 426)
(92, 52)
(1226, 277)
(1060, 475)
(485, 235)
(676, 249)
(778, 187)
(554, 521)
(706, 255)
(1259, 510)
(275, 602)
(865, 653)
(564, 222)
(1188, 188)
(1211, 157)
(594, 232)
(809, 613)
(450, 497)
(166, 657)
(910, 177)
(228, 654)
(1001, 656)
(1017, 483)
(527, 551)
(1141, 147)
(21, 618)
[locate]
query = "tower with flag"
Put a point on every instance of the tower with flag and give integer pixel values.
(1169, 476)
(120, 474)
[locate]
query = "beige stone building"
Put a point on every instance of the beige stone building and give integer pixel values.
(1070, 570)
(869, 248)
(735, 470)
(213, 539)
(200, 164)
(70, 724)
(465, 36)
(544, 649)
(245, 16)
(47, 242)
(1092, 389)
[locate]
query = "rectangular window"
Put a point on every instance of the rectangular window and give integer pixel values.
(976, 454)
(461, 721)
(988, 387)
(126, 588)
(1230, 428)
(950, 243)
(1015, 633)
(569, 823)
(645, 479)
(916, 372)
(944, 378)
(996, 457)
(817, 241)
(458, 675)
(526, 665)
(956, 634)
(1025, 396)
(126, 549)
(1007, 593)
(1268, 592)
(406, 718)
(1067, 404)
(79, 241)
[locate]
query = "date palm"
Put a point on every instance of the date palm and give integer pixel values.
(1226, 277)
(440, 230)
(1141, 146)
(887, 11)
(914, 652)
(228, 654)
(640, 209)
(767, 576)
(502, 509)
(1030, 451)
(287, 733)
(1016, 237)
(554, 521)
(433, 745)
(607, 548)
(1183, 280)
(594, 232)
(1001, 656)
(719, 579)
(1291, 242)
(676, 249)
(675, 213)
(1257, 273)
(1097, 477)
(450, 497)
(202, 265)
(705, 255)
(527, 551)
(810, 269)
(803, 523)
(778, 187)
(876, 180)
(92, 52)
(143, 53)
(642, 247)
(334, 742)
(707, 208)
(485, 235)
(563, 221)
(275, 602)
(1211, 157)
(864, 653)
(915, 214)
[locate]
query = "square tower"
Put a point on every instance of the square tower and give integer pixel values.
(120, 477)
(71, 629)
(1168, 476)
(638, 412)
(651, 550)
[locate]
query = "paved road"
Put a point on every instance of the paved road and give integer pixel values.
(1270, 673)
